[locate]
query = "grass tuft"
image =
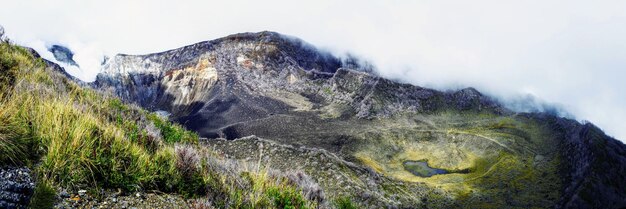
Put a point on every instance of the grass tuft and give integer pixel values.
(43, 197)
(345, 203)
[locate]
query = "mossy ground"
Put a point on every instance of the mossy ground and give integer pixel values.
(480, 149)
(508, 159)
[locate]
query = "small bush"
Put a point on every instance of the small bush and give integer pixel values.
(191, 182)
(151, 137)
(187, 160)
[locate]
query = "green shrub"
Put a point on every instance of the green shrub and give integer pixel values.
(286, 198)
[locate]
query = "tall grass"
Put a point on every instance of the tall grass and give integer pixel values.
(75, 137)
(16, 145)
(250, 185)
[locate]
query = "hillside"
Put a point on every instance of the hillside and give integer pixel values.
(270, 121)
(66, 145)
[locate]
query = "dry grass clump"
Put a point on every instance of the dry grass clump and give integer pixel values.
(153, 135)
(187, 159)
(310, 189)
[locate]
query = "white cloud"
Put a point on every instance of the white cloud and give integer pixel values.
(565, 52)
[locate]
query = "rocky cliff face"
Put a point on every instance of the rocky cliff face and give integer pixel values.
(251, 76)
(63, 54)
(282, 89)
(594, 167)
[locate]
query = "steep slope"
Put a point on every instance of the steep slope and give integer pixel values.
(357, 133)
(65, 145)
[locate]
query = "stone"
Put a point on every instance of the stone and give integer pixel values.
(16, 187)
(64, 194)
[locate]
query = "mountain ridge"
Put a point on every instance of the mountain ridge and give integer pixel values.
(256, 86)
(295, 75)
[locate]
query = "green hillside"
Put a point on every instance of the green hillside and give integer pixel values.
(75, 138)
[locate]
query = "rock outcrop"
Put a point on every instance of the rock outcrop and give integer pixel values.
(594, 167)
(16, 187)
(63, 54)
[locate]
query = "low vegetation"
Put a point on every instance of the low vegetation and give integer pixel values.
(74, 137)
(43, 196)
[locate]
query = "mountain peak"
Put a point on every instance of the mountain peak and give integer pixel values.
(268, 73)
(306, 55)
(265, 46)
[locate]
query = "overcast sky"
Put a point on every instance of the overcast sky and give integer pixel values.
(565, 52)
